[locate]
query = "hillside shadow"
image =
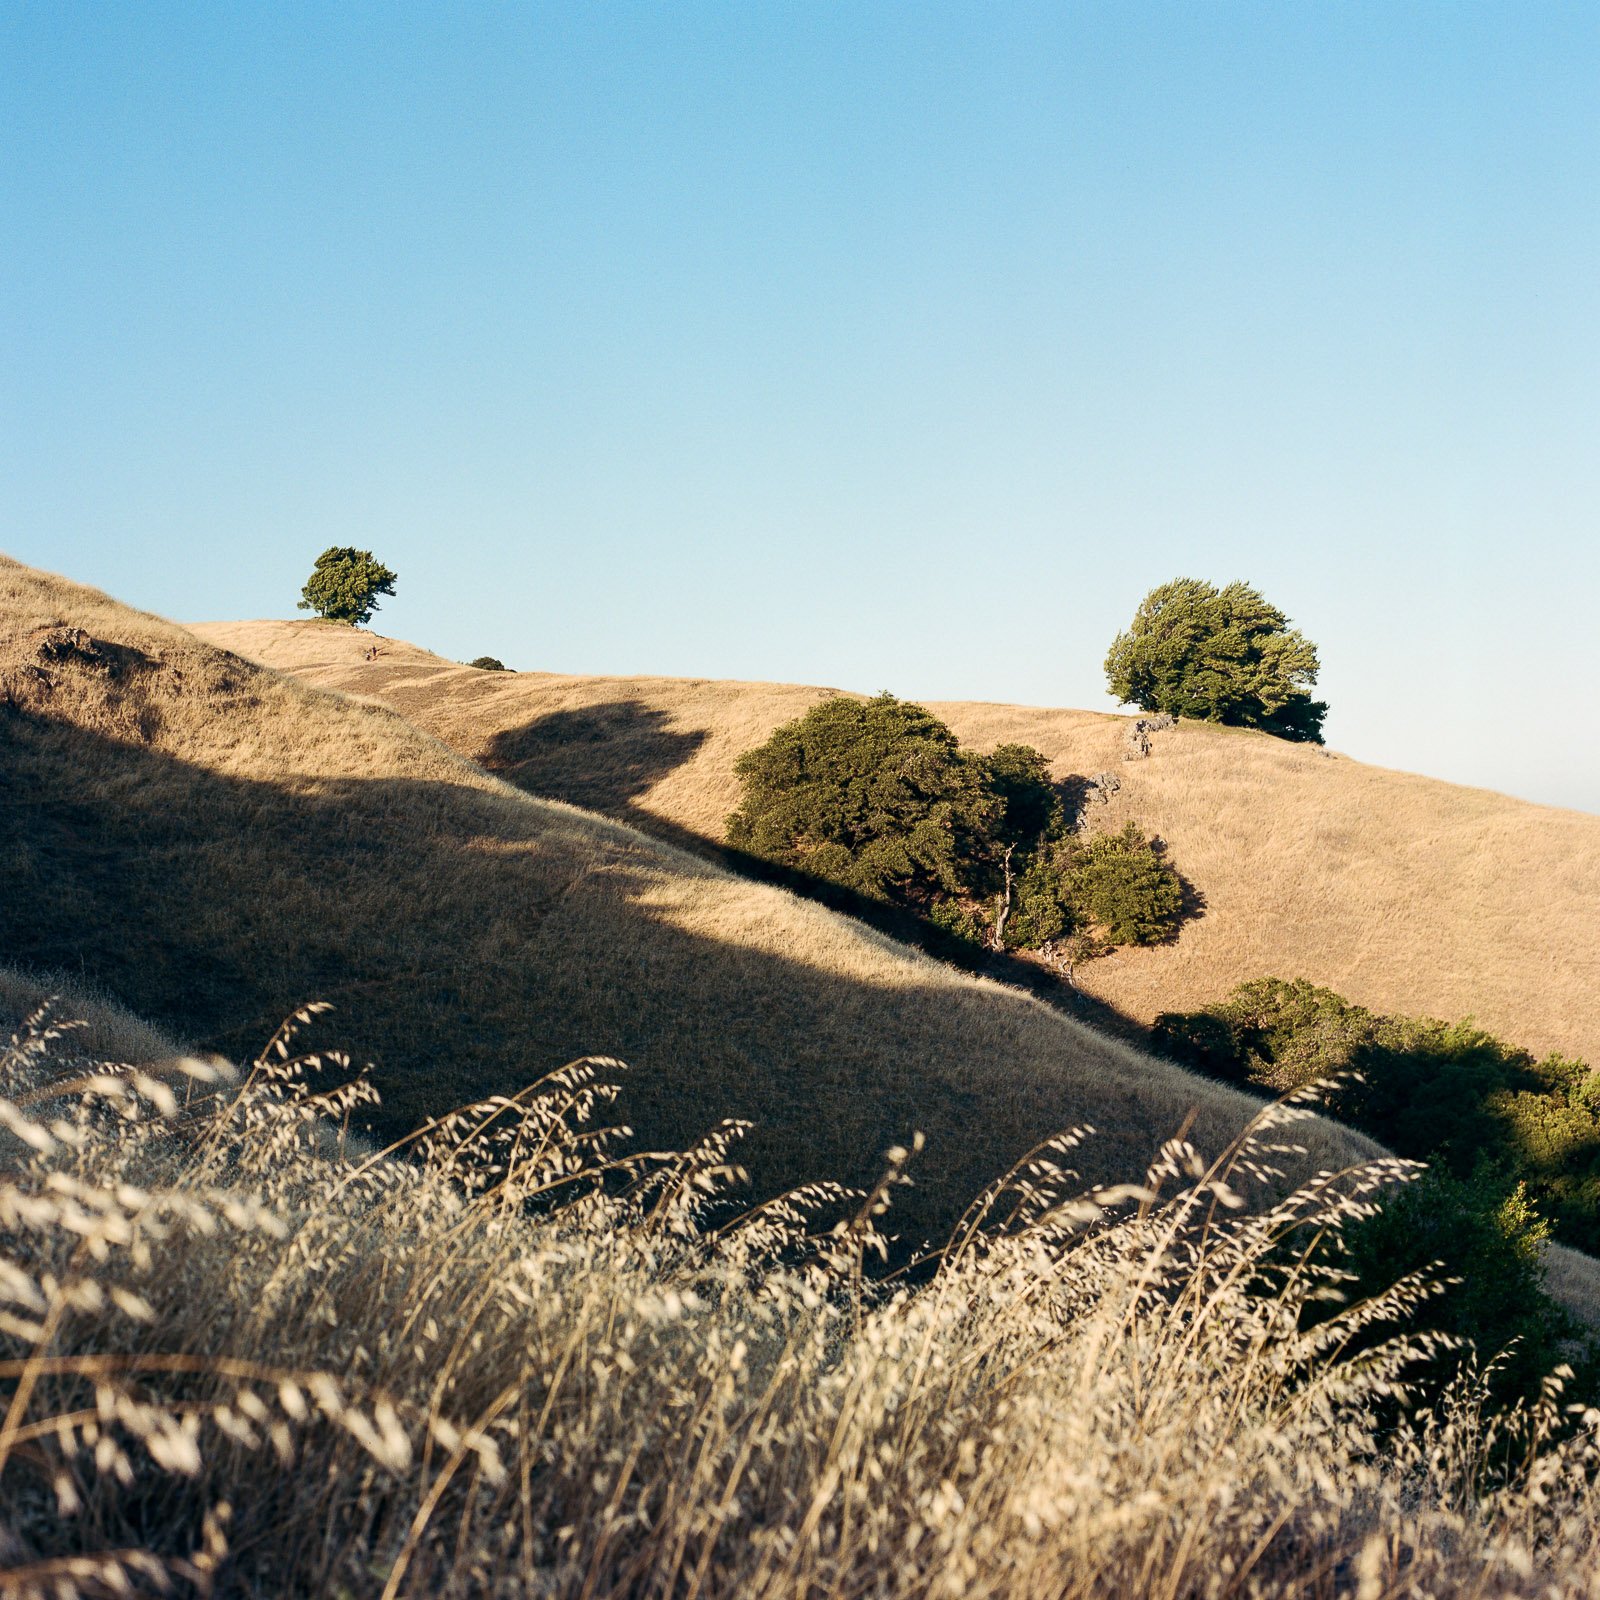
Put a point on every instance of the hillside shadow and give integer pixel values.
(1192, 906)
(1075, 793)
(470, 949)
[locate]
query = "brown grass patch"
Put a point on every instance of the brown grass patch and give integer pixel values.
(101, 1028)
(238, 1366)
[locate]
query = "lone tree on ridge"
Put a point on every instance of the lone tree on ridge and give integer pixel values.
(1220, 655)
(345, 584)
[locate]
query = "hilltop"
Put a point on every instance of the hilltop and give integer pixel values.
(213, 843)
(1404, 893)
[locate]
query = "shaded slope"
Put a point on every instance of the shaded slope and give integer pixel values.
(1403, 893)
(215, 843)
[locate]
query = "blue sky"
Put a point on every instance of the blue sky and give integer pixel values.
(887, 346)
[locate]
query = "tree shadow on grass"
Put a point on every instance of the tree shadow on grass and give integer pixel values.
(600, 757)
(606, 757)
(1193, 905)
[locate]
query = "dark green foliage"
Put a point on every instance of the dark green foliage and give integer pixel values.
(488, 664)
(1434, 1091)
(1030, 804)
(876, 796)
(1269, 1034)
(1486, 1237)
(1120, 885)
(958, 919)
(873, 795)
(1029, 906)
(345, 584)
(1220, 655)
(1041, 908)
(1113, 888)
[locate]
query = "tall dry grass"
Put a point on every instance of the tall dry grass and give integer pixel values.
(1408, 895)
(104, 1030)
(526, 1363)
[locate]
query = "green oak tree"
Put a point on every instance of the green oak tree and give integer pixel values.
(1219, 655)
(345, 584)
(876, 796)
(870, 794)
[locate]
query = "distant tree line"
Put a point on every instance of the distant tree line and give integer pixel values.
(878, 797)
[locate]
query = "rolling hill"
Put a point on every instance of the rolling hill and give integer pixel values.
(212, 843)
(1403, 893)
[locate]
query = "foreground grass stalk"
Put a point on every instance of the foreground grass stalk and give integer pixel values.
(512, 1358)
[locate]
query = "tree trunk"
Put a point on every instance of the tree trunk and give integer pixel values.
(1005, 904)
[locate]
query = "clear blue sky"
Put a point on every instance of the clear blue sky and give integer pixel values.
(888, 346)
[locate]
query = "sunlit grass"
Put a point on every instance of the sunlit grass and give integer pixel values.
(1409, 895)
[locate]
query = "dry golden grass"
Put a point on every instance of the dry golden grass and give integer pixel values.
(215, 843)
(1572, 1280)
(243, 1366)
(1404, 894)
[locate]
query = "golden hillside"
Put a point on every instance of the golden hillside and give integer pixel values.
(213, 843)
(1401, 892)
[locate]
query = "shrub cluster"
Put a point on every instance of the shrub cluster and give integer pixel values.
(1435, 1091)
(877, 797)
(1514, 1144)
(1484, 1242)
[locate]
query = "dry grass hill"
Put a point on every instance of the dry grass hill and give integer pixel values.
(212, 843)
(1403, 893)
(244, 1356)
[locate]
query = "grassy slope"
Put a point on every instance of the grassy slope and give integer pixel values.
(213, 843)
(1401, 892)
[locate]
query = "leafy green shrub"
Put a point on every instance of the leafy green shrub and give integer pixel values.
(1031, 808)
(1483, 1241)
(1119, 883)
(960, 921)
(1430, 1090)
(1270, 1034)
(1223, 655)
(1111, 888)
(488, 664)
(873, 795)
(345, 584)
(877, 797)
(1042, 912)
